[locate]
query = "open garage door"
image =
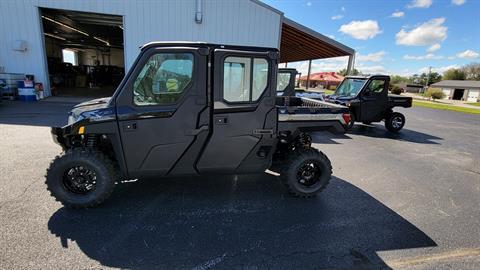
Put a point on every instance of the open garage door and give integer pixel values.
(84, 52)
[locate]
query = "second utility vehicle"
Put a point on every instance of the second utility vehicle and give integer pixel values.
(286, 85)
(190, 109)
(369, 101)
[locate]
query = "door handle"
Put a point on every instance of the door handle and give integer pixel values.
(131, 126)
(221, 120)
(194, 132)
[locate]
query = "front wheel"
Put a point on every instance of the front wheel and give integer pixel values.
(395, 122)
(81, 178)
(306, 173)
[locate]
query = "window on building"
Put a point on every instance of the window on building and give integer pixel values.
(243, 82)
(163, 79)
(70, 56)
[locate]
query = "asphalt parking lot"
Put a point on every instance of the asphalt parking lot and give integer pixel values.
(410, 200)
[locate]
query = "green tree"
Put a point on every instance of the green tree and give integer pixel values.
(343, 72)
(434, 78)
(396, 79)
(454, 74)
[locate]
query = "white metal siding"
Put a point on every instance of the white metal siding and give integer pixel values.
(232, 22)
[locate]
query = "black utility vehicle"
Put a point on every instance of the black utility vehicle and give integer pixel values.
(187, 109)
(369, 101)
(286, 85)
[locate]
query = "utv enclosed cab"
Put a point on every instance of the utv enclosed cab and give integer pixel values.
(190, 109)
(369, 101)
(286, 85)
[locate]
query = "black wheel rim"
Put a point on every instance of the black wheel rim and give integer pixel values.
(79, 179)
(397, 122)
(309, 173)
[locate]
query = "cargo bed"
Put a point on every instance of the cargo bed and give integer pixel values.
(311, 115)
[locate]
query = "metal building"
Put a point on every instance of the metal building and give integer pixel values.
(103, 37)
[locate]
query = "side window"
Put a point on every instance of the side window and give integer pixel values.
(283, 80)
(376, 86)
(243, 82)
(163, 79)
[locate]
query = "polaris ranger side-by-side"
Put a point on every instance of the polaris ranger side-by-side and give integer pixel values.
(369, 101)
(190, 109)
(286, 85)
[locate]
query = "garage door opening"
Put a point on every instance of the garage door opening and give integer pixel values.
(458, 94)
(85, 52)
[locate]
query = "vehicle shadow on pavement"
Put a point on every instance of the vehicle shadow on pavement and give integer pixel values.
(377, 131)
(231, 223)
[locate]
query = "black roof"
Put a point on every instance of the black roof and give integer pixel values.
(366, 77)
(203, 44)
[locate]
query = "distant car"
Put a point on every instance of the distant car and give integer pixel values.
(286, 85)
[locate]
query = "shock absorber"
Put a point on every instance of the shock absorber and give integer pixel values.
(304, 140)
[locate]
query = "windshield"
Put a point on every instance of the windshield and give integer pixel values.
(282, 81)
(350, 87)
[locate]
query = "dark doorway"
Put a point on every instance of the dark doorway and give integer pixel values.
(85, 52)
(458, 94)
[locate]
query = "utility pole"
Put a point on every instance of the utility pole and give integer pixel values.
(428, 78)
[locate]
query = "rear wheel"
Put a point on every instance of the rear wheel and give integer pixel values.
(395, 121)
(81, 178)
(306, 172)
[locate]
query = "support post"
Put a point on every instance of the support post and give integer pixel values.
(351, 63)
(286, 63)
(308, 74)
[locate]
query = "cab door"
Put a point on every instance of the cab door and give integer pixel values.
(374, 100)
(162, 111)
(244, 119)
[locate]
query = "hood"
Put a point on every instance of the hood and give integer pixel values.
(94, 110)
(95, 103)
(339, 98)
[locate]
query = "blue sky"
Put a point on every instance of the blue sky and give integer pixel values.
(392, 36)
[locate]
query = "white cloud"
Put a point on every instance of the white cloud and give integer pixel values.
(451, 57)
(427, 33)
(309, 4)
(324, 65)
(372, 69)
(468, 54)
(438, 69)
(429, 56)
(458, 2)
(343, 9)
(434, 47)
(420, 4)
(371, 57)
(398, 14)
(361, 29)
(337, 17)
(331, 36)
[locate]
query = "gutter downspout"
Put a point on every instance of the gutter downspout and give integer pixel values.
(198, 12)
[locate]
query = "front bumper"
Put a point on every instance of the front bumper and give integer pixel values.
(58, 134)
